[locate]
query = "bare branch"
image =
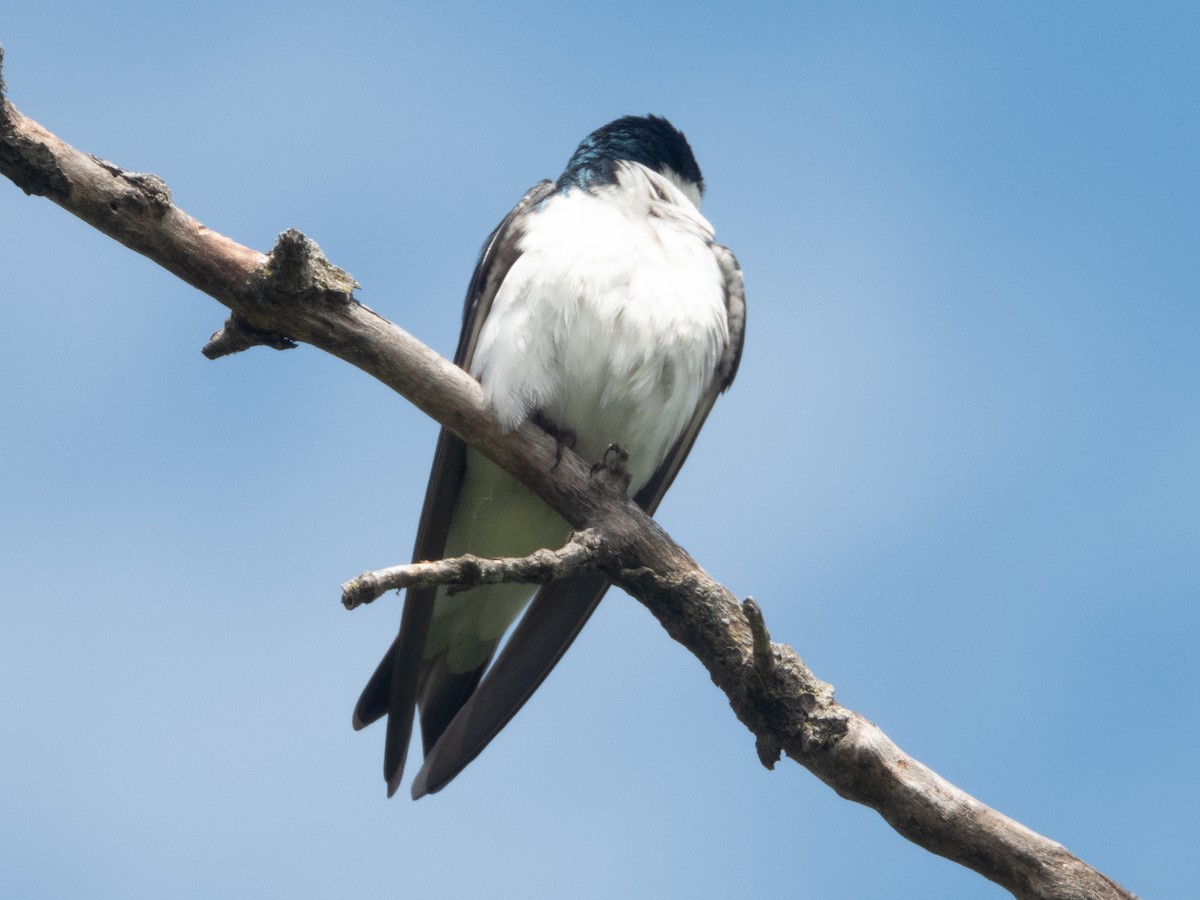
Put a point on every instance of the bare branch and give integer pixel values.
(582, 551)
(295, 294)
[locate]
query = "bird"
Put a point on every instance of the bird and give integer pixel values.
(602, 309)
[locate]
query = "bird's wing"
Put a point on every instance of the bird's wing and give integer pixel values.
(499, 253)
(392, 689)
(561, 609)
(651, 493)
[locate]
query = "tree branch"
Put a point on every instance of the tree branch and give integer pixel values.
(584, 550)
(295, 294)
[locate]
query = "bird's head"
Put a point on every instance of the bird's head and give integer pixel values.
(650, 140)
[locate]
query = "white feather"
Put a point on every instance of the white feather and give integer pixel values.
(612, 320)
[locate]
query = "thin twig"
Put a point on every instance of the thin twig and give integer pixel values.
(581, 552)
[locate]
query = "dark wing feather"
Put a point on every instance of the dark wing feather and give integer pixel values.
(392, 689)
(560, 610)
(555, 616)
(500, 251)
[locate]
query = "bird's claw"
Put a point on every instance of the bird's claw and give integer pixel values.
(614, 463)
(563, 438)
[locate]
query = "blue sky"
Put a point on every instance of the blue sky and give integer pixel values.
(959, 468)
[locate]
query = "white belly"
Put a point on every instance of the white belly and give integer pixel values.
(610, 325)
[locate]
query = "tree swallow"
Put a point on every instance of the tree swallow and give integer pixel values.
(601, 309)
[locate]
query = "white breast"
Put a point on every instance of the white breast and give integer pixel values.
(611, 322)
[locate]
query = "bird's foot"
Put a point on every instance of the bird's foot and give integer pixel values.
(563, 437)
(613, 465)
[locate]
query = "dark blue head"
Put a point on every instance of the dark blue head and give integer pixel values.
(649, 140)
